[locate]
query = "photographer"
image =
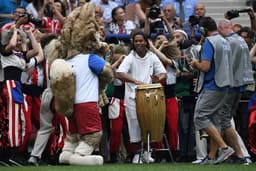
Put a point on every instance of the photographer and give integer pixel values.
(154, 22)
(184, 8)
(7, 8)
(234, 13)
(192, 26)
(20, 19)
(140, 10)
(51, 24)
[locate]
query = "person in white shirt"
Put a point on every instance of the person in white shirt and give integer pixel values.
(141, 66)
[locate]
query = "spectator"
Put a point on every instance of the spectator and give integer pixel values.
(53, 125)
(188, 8)
(20, 20)
(99, 16)
(236, 27)
(7, 9)
(140, 10)
(53, 24)
(116, 108)
(36, 8)
(81, 3)
(191, 27)
(119, 25)
(242, 117)
(187, 99)
(107, 6)
(13, 59)
(168, 60)
(169, 13)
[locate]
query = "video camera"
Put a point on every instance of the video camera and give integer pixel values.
(194, 20)
(26, 15)
(31, 19)
(234, 13)
(154, 11)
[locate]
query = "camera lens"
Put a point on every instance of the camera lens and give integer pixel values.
(154, 12)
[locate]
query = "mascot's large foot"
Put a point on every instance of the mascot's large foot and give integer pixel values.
(65, 157)
(68, 150)
(77, 159)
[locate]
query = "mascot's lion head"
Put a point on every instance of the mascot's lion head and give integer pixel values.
(80, 34)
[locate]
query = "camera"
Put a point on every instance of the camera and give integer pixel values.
(194, 20)
(154, 11)
(235, 13)
(31, 19)
(26, 15)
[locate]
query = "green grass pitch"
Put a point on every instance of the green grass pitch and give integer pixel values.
(138, 167)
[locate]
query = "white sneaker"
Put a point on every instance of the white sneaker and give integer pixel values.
(198, 161)
(224, 153)
(137, 159)
(248, 160)
(147, 157)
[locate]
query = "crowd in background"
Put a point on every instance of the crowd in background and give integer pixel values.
(172, 29)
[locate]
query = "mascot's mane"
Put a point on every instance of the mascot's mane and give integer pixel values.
(79, 35)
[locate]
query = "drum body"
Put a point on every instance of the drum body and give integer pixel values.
(150, 108)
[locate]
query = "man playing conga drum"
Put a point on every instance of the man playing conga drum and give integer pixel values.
(141, 66)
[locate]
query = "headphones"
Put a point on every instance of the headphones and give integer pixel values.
(203, 31)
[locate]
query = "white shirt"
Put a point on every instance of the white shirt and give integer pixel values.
(140, 69)
(171, 75)
(87, 82)
(128, 27)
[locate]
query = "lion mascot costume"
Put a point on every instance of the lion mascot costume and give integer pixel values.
(78, 77)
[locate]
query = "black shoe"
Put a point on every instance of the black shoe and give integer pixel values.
(239, 160)
(16, 157)
(115, 158)
(4, 155)
(4, 163)
(16, 162)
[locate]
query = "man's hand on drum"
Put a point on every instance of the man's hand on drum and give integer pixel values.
(155, 79)
(158, 78)
(137, 82)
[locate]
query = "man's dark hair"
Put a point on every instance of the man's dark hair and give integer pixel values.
(22, 8)
(208, 23)
(113, 13)
(248, 30)
(145, 37)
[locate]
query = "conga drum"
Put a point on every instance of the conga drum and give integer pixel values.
(150, 108)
